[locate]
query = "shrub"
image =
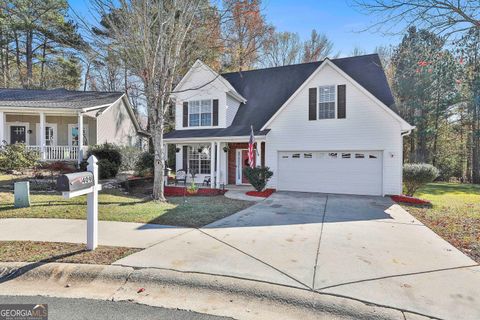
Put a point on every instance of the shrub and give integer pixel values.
(415, 175)
(130, 156)
(107, 169)
(109, 159)
(258, 176)
(17, 157)
(145, 163)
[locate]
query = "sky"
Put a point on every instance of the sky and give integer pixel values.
(336, 18)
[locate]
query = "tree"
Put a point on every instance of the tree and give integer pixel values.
(318, 47)
(281, 49)
(441, 17)
(151, 40)
(423, 82)
(244, 33)
(36, 37)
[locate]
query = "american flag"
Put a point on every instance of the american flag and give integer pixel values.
(251, 154)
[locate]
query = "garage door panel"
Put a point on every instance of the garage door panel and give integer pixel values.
(350, 172)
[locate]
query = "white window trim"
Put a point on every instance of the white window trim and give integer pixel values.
(199, 159)
(73, 125)
(335, 101)
(55, 133)
(200, 120)
(17, 123)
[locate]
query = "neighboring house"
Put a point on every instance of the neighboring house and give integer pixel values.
(327, 126)
(50, 121)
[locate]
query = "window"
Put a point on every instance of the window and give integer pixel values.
(200, 113)
(307, 155)
(49, 136)
(296, 155)
(359, 156)
(73, 138)
(332, 155)
(199, 159)
(326, 104)
(371, 156)
(346, 155)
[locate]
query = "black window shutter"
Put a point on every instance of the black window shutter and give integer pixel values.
(184, 158)
(312, 104)
(185, 114)
(341, 102)
(215, 112)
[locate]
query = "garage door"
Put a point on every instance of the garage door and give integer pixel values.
(349, 172)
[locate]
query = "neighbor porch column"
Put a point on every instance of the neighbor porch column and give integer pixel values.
(258, 159)
(43, 143)
(2, 127)
(217, 180)
(165, 162)
(212, 165)
(80, 137)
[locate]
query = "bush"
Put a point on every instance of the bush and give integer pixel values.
(107, 169)
(145, 163)
(109, 159)
(415, 175)
(258, 176)
(17, 157)
(130, 156)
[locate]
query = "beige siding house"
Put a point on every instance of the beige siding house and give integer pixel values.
(50, 121)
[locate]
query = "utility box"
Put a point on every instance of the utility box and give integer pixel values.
(75, 181)
(22, 194)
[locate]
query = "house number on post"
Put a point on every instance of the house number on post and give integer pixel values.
(80, 183)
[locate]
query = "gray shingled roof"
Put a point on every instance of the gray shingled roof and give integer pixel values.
(266, 90)
(57, 98)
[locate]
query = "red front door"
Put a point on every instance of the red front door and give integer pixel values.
(245, 164)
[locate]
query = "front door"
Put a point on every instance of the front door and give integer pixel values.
(18, 134)
(242, 162)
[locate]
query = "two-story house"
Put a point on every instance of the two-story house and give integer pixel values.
(328, 126)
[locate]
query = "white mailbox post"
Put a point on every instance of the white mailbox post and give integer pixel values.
(92, 203)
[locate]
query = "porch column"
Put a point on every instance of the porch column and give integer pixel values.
(212, 165)
(80, 137)
(43, 143)
(2, 127)
(165, 161)
(217, 180)
(258, 159)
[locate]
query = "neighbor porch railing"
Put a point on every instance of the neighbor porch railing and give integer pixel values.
(58, 153)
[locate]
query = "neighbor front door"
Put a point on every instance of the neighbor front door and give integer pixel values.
(18, 134)
(242, 162)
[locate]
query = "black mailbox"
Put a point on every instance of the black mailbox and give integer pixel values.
(75, 181)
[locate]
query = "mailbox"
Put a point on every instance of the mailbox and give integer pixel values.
(75, 181)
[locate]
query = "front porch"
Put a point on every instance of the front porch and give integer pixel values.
(221, 162)
(54, 135)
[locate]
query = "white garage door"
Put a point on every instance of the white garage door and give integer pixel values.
(349, 172)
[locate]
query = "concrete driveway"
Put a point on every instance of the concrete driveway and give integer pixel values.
(366, 248)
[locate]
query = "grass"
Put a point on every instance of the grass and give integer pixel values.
(36, 251)
(116, 206)
(454, 215)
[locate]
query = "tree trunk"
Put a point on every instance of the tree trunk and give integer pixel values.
(475, 143)
(42, 66)
(159, 162)
(29, 57)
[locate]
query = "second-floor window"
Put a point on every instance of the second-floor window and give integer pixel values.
(200, 113)
(326, 102)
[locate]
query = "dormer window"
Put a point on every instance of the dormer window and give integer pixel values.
(200, 113)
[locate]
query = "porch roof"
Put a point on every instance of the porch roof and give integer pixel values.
(232, 131)
(56, 99)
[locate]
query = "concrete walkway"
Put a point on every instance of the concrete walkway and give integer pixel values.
(365, 248)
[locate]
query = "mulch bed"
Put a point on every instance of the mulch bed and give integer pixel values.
(263, 194)
(410, 200)
(181, 191)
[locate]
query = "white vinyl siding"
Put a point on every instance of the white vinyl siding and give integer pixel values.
(368, 127)
(116, 126)
(232, 108)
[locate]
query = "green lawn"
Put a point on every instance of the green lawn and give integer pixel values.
(454, 215)
(116, 206)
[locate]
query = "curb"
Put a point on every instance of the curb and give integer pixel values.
(216, 295)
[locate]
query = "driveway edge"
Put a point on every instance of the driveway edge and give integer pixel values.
(216, 295)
